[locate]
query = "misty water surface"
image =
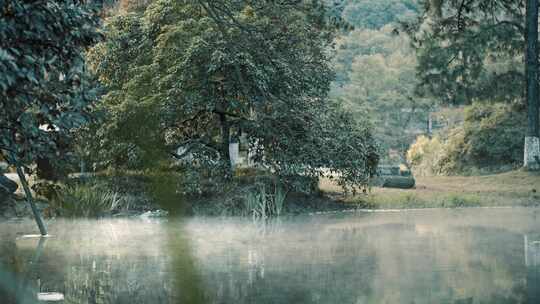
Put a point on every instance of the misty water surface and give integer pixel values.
(425, 256)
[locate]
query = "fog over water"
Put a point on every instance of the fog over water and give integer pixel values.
(422, 256)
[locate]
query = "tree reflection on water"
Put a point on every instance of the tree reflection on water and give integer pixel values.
(414, 258)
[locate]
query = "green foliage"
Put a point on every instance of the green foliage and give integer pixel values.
(470, 50)
(424, 155)
(196, 74)
(124, 114)
(377, 80)
(491, 137)
(361, 43)
(45, 92)
(47, 190)
(374, 14)
(493, 134)
(88, 200)
(243, 172)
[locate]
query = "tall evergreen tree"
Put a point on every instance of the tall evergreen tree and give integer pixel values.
(480, 51)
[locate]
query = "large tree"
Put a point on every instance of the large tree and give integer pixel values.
(44, 92)
(202, 72)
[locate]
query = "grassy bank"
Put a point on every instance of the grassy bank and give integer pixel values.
(133, 193)
(248, 193)
(516, 188)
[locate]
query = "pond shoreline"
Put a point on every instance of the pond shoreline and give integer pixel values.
(21, 210)
(491, 191)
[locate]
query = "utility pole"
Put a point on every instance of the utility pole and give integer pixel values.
(531, 159)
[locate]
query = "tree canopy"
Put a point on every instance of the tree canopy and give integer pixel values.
(44, 89)
(379, 83)
(199, 74)
(376, 73)
(470, 50)
(375, 14)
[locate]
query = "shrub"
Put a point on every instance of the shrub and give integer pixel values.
(493, 135)
(88, 200)
(490, 138)
(451, 157)
(46, 189)
(424, 155)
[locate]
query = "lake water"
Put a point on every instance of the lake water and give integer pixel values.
(424, 256)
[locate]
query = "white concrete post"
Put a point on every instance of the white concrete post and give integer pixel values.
(234, 152)
(531, 157)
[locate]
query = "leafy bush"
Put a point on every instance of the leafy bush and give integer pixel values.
(46, 189)
(490, 138)
(88, 200)
(424, 155)
(493, 135)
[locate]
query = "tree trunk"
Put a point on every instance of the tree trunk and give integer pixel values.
(225, 141)
(532, 142)
(429, 125)
(12, 160)
(30, 200)
(435, 9)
